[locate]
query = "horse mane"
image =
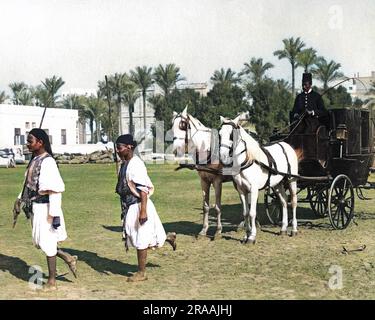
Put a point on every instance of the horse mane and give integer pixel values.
(197, 123)
(253, 150)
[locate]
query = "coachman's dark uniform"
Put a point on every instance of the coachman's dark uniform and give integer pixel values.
(311, 101)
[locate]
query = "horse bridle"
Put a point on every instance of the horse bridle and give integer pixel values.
(183, 126)
(231, 148)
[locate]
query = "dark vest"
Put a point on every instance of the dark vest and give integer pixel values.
(122, 188)
(31, 190)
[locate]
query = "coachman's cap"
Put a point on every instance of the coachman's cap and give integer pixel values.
(307, 77)
(126, 139)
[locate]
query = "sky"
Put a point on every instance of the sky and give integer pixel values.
(82, 40)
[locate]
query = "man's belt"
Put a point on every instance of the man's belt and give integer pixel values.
(41, 199)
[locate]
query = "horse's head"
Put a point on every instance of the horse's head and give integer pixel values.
(226, 134)
(180, 124)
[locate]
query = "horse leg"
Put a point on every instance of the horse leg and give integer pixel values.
(206, 205)
(293, 193)
(247, 223)
(253, 213)
(280, 190)
(218, 189)
(245, 207)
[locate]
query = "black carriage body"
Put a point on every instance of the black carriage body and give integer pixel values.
(327, 153)
(353, 156)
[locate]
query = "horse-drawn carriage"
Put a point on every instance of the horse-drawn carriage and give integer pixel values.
(335, 160)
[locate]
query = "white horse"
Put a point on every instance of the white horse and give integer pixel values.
(248, 162)
(189, 131)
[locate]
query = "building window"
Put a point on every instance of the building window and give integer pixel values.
(27, 125)
(33, 125)
(63, 136)
(18, 138)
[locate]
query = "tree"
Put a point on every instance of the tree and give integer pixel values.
(41, 96)
(93, 108)
(338, 98)
(52, 86)
(131, 94)
(272, 101)
(17, 88)
(142, 77)
(3, 97)
(25, 97)
(72, 101)
(255, 69)
(225, 77)
(167, 77)
(292, 47)
(225, 101)
(306, 58)
(327, 72)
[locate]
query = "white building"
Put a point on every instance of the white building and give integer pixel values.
(359, 88)
(16, 121)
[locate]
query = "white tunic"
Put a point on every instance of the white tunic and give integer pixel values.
(151, 233)
(44, 235)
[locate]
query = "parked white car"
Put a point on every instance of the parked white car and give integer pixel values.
(7, 158)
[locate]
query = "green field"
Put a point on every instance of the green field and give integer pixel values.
(275, 268)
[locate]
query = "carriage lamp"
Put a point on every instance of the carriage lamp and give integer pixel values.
(341, 132)
(341, 135)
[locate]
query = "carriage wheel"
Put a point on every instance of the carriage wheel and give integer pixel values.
(318, 200)
(273, 207)
(341, 202)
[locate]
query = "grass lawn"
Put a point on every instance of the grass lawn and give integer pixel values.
(275, 268)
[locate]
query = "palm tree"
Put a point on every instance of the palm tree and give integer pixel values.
(131, 94)
(291, 49)
(225, 77)
(307, 58)
(142, 77)
(117, 85)
(167, 77)
(72, 101)
(256, 69)
(16, 88)
(327, 71)
(52, 86)
(3, 97)
(25, 97)
(93, 108)
(42, 96)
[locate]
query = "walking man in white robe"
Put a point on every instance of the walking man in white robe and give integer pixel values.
(142, 225)
(42, 195)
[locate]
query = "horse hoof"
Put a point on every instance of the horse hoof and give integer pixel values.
(251, 241)
(218, 236)
(294, 233)
(283, 233)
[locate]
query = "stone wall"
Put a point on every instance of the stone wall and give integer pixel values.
(78, 158)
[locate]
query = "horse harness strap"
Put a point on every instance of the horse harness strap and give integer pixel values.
(272, 167)
(271, 164)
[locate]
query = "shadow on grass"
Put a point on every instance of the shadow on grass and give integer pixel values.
(113, 228)
(16, 267)
(231, 218)
(180, 227)
(20, 269)
(105, 265)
